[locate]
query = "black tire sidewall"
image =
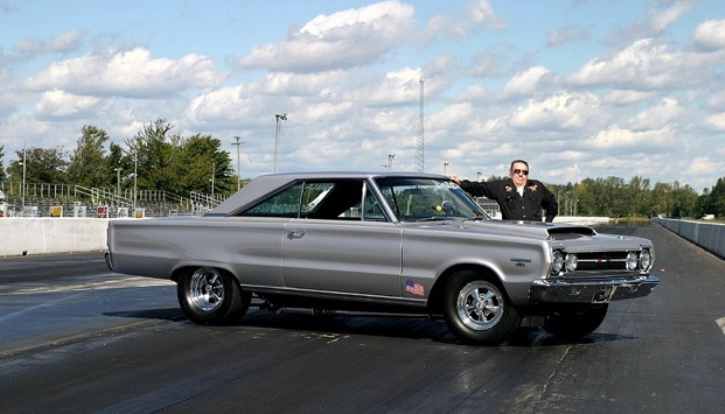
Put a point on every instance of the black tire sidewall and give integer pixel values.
(509, 322)
(575, 322)
(231, 308)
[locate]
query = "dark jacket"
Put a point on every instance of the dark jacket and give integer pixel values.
(513, 206)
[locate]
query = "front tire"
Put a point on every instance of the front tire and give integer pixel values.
(478, 311)
(576, 321)
(209, 296)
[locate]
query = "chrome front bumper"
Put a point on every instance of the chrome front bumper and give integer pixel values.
(583, 291)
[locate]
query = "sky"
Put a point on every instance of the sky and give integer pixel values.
(578, 88)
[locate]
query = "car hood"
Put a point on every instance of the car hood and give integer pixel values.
(536, 230)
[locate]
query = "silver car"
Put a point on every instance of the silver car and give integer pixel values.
(383, 243)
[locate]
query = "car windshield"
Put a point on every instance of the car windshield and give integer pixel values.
(423, 199)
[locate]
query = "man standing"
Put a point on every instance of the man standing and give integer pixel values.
(519, 197)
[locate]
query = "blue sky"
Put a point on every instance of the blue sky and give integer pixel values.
(579, 88)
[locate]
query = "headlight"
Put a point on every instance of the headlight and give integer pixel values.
(571, 262)
(645, 260)
(632, 260)
(558, 262)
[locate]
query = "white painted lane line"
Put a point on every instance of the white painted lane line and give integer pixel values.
(105, 284)
(721, 324)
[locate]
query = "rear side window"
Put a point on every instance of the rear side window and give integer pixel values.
(345, 199)
(283, 204)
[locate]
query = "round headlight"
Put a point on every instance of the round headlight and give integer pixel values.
(558, 262)
(571, 262)
(645, 260)
(631, 260)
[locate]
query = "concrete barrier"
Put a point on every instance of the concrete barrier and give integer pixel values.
(710, 236)
(21, 236)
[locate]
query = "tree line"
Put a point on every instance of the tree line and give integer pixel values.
(159, 159)
(155, 158)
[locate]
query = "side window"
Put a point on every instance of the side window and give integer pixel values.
(283, 204)
(371, 208)
(312, 195)
(367, 208)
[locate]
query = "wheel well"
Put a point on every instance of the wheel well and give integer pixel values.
(190, 269)
(435, 300)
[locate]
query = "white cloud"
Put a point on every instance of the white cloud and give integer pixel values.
(525, 83)
(567, 34)
(710, 35)
(478, 14)
(619, 139)
(64, 43)
(341, 40)
(129, 73)
(663, 113)
(59, 104)
(716, 121)
(644, 65)
(620, 97)
(703, 167)
(660, 20)
(564, 110)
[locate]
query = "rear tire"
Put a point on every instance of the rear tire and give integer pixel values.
(576, 321)
(209, 296)
(477, 310)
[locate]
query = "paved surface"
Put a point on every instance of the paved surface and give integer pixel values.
(75, 338)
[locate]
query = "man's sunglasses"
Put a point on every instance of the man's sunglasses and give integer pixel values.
(524, 172)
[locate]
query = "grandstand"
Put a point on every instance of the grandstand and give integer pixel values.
(43, 200)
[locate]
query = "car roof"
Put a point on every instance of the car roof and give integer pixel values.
(265, 184)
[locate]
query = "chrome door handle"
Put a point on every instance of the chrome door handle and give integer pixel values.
(295, 234)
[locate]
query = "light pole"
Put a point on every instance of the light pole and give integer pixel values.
(479, 175)
(239, 175)
(391, 157)
(445, 168)
(279, 117)
(135, 179)
(213, 172)
(25, 164)
(118, 182)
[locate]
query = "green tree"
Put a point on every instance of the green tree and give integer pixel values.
(152, 156)
(204, 159)
(684, 200)
(180, 165)
(44, 166)
(88, 166)
(3, 174)
(716, 200)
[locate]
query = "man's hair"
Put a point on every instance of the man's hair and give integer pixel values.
(521, 161)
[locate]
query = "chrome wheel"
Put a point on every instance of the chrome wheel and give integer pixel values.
(206, 289)
(477, 310)
(480, 305)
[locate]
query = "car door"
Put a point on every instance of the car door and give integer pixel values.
(355, 251)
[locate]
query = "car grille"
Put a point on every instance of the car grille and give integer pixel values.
(602, 261)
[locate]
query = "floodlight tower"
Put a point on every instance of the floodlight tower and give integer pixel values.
(420, 153)
(279, 117)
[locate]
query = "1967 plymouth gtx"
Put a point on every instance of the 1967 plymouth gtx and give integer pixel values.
(383, 243)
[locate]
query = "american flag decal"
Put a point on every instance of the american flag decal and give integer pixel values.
(415, 288)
